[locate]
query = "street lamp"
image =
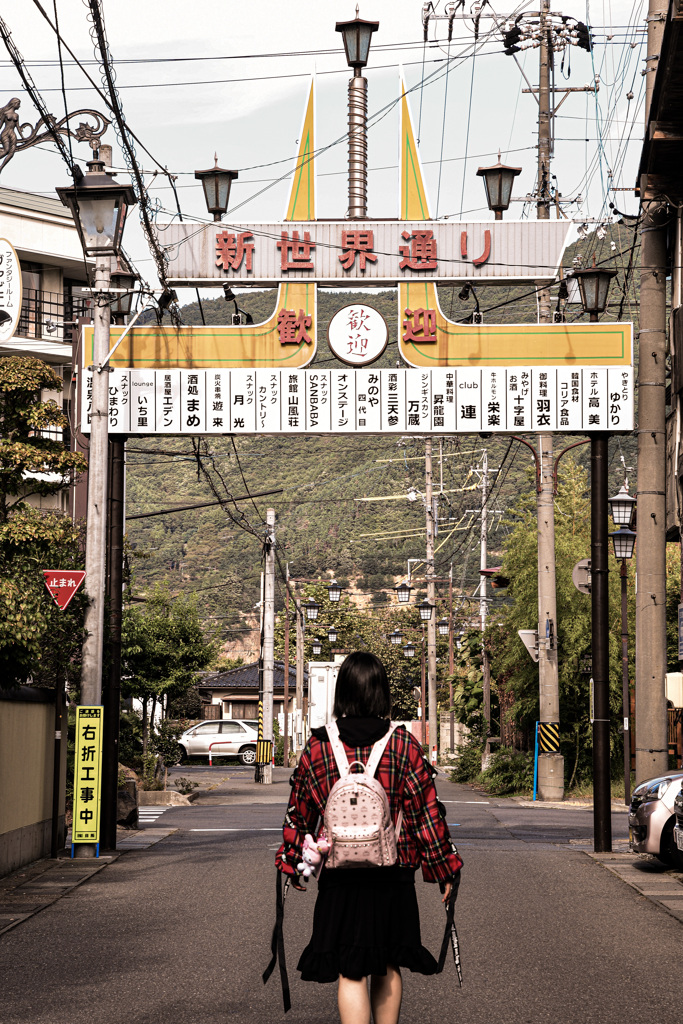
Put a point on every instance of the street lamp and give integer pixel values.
(332, 635)
(216, 182)
(357, 35)
(498, 179)
(409, 650)
(312, 608)
(426, 610)
(334, 592)
(316, 646)
(98, 206)
(593, 287)
(403, 592)
(124, 281)
(396, 637)
(622, 507)
(443, 625)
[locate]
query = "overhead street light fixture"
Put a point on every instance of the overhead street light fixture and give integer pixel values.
(216, 182)
(124, 282)
(409, 650)
(316, 647)
(498, 180)
(403, 592)
(396, 637)
(443, 625)
(332, 635)
(312, 608)
(624, 541)
(426, 610)
(98, 206)
(334, 592)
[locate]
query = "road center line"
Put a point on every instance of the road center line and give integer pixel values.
(482, 802)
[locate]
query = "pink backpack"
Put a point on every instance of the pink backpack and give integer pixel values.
(357, 816)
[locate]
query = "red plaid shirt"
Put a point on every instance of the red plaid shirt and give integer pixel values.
(408, 780)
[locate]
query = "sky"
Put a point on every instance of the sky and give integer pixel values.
(244, 100)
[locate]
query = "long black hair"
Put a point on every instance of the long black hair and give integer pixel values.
(362, 689)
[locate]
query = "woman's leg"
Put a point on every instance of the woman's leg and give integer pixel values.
(353, 1000)
(386, 991)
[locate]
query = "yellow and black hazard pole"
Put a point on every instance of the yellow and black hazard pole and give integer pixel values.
(549, 737)
(264, 748)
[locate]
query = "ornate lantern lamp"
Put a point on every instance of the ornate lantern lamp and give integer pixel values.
(312, 608)
(357, 35)
(316, 646)
(624, 541)
(622, 506)
(98, 206)
(443, 625)
(403, 592)
(409, 650)
(334, 592)
(594, 285)
(396, 637)
(426, 610)
(332, 635)
(498, 179)
(216, 182)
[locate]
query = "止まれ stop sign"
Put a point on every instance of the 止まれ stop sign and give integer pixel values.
(63, 584)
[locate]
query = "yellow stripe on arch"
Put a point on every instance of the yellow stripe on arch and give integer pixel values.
(603, 344)
(255, 345)
(301, 204)
(413, 194)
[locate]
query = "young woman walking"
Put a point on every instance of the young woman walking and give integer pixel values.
(366, 922)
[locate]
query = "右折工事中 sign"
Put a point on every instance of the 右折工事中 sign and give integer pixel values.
(87, 775)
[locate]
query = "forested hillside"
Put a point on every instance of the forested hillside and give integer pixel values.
(322, 527)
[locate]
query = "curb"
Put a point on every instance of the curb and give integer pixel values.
(161, 798)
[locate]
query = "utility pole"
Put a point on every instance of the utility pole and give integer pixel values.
(602, 820)
(266, 773)
(433, 737)
(286, 668)
(451, 662)
(299, 730)
(483, 601)
(651, 723)
(550, 764)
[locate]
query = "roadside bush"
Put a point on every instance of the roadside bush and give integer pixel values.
(184, 785)
(509, 771)
(165, 742)
(467, 763)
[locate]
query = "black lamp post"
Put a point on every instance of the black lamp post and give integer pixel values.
(593, 287)
(216, 182)
(498, 179)
(357, 35)
(403, 592)
(622, 508)
(334, 592)
(312, 608)
(98, 206)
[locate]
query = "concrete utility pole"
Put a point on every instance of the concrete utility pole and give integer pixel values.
(483, 606)
(96, 540)
(550, 765)
(266, 774)
(651, 721)
(286, 668)
(431, 597)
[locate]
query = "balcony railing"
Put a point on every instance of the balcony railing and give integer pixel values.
(43, 314)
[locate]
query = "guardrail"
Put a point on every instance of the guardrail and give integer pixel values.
(218, 743)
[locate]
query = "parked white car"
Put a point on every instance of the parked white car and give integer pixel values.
(223, 738)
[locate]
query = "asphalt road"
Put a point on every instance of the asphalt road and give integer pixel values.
(179, 933)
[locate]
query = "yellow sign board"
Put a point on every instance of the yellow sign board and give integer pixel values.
(427, 338)
(87, 775)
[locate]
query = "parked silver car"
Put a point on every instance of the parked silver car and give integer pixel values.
(224, 738)
(651, 818)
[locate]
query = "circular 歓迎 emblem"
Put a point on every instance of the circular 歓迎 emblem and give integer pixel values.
(357, 334)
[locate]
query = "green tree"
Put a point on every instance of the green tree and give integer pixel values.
(163, 647)
(36, 640)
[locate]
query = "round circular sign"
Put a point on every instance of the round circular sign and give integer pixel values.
(357, 334)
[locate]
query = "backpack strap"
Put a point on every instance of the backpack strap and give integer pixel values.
(338, 749)
(373, 763)
(277, 944)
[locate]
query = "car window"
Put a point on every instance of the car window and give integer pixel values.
(232, 727)
(208, 727)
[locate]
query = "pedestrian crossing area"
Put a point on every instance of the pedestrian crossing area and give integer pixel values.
(148, 815)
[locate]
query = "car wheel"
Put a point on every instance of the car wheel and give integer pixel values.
(248, 755)
(669, 853)
(183, 755)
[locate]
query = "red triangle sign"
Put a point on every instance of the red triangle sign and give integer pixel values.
(63, 584)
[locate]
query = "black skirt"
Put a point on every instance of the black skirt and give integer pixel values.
(365, 919)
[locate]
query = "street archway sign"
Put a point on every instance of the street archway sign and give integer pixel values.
(462, 378)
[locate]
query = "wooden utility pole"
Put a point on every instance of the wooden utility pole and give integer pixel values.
(550, 765)
(651, 720)
(433, 737)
